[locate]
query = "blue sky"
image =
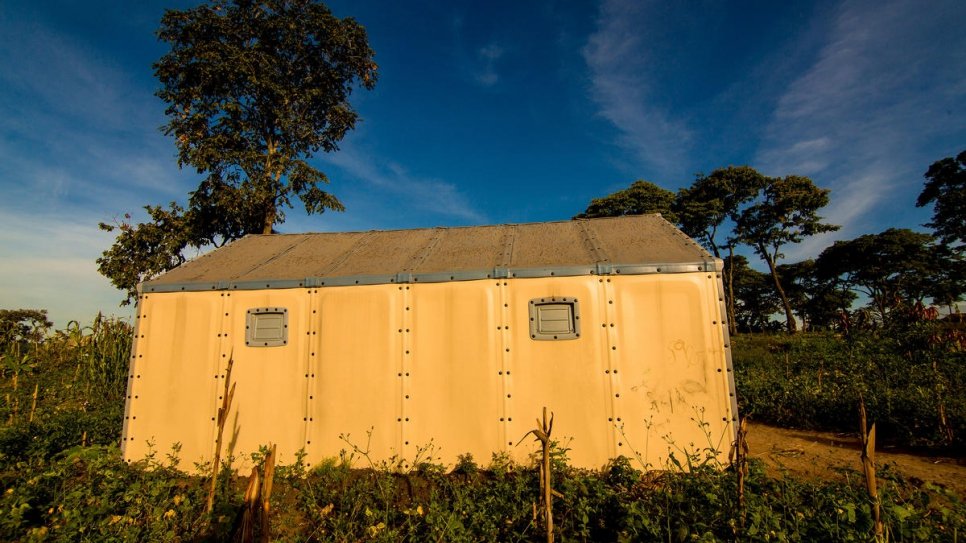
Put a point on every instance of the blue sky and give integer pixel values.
(492, 112)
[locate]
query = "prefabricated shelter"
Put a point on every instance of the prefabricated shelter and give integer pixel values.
(448, 338)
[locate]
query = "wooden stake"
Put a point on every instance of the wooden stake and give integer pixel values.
(246, 531)
(267, 495)
(868, 467)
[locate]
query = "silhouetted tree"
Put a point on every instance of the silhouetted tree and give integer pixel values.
(786, 212)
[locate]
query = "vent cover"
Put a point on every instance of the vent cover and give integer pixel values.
(266, 327)
(554, 318)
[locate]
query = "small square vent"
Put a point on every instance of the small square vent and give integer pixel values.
(554, 318)
(266, 327)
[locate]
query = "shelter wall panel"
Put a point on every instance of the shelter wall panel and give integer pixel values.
(355, 386)
(271, 389)
(174, 387)
(452, 370)
(674, 393)
(566, 376)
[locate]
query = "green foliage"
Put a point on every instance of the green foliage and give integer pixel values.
(90, 494)
(754, 296)
(22, 326)
(815, 381)
(945, 188)
(146, 249)
(819, 302)
(640, 198)
(253, 90)
(703, 208)
(895, 267)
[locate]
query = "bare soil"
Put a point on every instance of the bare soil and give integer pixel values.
(832, 456)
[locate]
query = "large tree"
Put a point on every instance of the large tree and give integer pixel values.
(254, 88)
(945, 187)
(639, 198)
(785, 212)
(703, 209)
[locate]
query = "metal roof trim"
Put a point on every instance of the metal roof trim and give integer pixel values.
(713, 265)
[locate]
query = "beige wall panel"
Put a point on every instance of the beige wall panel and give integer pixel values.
(451, 371)
(175, 362)
(566, 376)
(674, 392)
(270, 384)
(355, 385)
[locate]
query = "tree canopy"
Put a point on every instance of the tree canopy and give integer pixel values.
(893, 267)
(754, 296)
(17, 325)
(254, 88)
(639, 198)
(818, 301)
(786, 212)
(712, 199)
(945, 187)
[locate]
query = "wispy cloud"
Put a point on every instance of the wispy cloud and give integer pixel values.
(76, 126)
(48, 262)
(411, 196)
(486, 73)
(66, 77)
(888, 83)
(616, 55)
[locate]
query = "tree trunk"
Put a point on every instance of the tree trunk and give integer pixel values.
(789, 314)
(269, 218)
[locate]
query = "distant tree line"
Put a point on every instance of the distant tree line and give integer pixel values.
(894, 270)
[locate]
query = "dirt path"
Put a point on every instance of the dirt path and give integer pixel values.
(822, 454)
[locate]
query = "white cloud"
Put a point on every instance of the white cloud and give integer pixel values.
(409, 194)
(616, 55)
(488, 56)
(863, 120)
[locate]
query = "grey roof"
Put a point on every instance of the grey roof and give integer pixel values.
(631, 244)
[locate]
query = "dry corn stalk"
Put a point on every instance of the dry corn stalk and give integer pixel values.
(868, 468)
(226, 397)
(542, 433)
(739, 458)
(33, 403)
